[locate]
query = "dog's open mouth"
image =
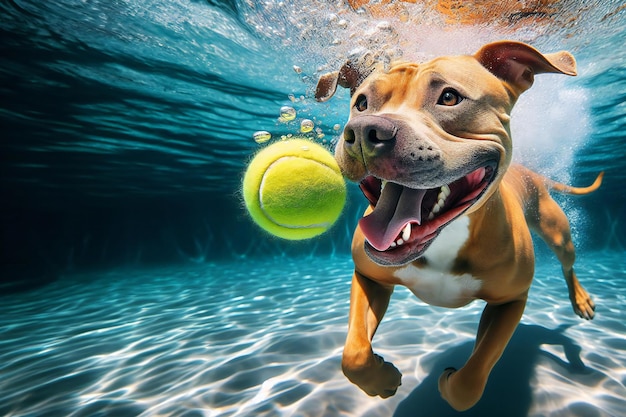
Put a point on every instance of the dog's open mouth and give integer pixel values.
(406, 220)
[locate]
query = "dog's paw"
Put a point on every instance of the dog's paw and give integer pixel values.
(458, 391)
(582, 303)
(376, 378)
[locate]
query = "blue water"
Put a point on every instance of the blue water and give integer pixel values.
(266, 339)
(132, 281)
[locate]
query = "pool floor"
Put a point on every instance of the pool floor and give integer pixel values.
(264, 338)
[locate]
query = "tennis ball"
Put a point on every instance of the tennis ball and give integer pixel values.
(294, 189)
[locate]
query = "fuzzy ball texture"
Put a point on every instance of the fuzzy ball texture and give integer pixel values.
(294, 189)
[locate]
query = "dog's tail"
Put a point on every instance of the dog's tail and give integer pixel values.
(566, 189)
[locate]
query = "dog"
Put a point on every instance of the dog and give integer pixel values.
(449, 215)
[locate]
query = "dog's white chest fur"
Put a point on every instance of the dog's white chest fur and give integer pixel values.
(434, 283)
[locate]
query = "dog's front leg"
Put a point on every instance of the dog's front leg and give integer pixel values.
(463, 388)
(368, 303)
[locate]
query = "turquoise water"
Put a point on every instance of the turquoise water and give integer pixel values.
(133, 282)
(266, 339)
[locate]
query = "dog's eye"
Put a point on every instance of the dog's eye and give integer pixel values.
(450, 97)
(361, 103)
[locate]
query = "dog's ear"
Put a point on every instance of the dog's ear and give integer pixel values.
(326, 86)
(351, 75)
(517, 63)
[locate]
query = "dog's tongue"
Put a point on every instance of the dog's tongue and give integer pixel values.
(396, 207)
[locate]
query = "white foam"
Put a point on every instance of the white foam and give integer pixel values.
(550, 123)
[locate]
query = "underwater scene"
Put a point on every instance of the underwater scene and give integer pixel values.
(134, 282)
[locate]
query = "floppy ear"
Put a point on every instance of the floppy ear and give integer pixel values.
(517, 63)
(351, 75)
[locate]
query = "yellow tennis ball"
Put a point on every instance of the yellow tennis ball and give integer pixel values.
(294, 189)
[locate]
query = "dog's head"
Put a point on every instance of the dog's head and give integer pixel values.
(428, 142)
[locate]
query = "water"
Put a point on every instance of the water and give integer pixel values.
(133, 283)
(222, 340)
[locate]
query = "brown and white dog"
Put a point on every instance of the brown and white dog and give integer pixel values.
(449, 216)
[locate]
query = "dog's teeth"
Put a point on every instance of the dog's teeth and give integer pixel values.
(406, 232)
(399, 242)
(393, 245)
(441, 201)
(382, 185)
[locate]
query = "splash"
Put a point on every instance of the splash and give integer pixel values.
(551, 122)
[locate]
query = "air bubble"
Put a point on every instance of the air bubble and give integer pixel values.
(384, 25)
(306, 126)
(261, 136)
(287, 114)
(337, 127)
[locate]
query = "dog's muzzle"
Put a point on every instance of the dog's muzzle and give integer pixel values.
(369, 136)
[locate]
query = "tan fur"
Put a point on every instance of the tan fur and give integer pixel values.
(498, 251)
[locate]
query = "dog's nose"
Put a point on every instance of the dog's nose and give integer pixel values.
(372, 134)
